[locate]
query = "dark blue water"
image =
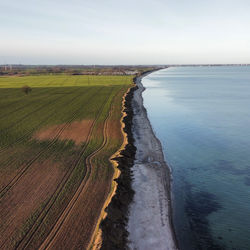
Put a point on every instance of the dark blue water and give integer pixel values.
(202, 117)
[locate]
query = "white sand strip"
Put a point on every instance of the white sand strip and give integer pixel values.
(149, 223)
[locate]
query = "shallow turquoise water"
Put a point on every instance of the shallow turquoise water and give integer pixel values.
(202, 117)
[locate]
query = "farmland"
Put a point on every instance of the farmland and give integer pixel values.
(55, 146)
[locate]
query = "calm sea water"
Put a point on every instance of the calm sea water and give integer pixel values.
(202, 117)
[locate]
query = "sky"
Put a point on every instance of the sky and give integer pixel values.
(124, 32)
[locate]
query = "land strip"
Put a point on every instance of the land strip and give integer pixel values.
(57, 182)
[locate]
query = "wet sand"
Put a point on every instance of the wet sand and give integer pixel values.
(149, 224)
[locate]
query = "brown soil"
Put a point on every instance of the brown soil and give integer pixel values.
(76, 225)
(77, 131)
(115, 130)
(74, 229)
(10, 163)
(25, 198)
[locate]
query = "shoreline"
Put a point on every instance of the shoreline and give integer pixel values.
(113, 227)
(150, 214)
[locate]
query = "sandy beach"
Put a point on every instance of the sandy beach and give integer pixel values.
(149, 224)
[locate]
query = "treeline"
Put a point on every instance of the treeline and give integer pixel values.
(24, 70)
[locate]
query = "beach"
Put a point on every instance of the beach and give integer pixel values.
(149, 224)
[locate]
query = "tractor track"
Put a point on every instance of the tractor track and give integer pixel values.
(22, 244)
(20, 139)
(23, 171)
(56, 228)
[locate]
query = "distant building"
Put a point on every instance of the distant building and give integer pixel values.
(131, 72)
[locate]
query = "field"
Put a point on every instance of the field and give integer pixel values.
(55, 145)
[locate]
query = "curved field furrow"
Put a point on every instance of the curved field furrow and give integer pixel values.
(35, 157)
(76, 164)
(54, 158)
(23, 243)
(22, 172)
(29, 132)
(53, 233)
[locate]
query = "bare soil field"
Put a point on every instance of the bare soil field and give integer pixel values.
(77, 131)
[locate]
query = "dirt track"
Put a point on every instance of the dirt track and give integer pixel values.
(56, 237)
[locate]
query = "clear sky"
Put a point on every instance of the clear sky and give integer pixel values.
(124, 32)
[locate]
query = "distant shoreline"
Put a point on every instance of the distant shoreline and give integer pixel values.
(150, 218)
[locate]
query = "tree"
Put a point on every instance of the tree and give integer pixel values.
(26, 89)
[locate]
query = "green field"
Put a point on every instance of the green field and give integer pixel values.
(55, 144)
(62, 80)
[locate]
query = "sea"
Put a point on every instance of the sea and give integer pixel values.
(201, 115)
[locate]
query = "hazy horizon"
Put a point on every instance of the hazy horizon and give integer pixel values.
(124, 33)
